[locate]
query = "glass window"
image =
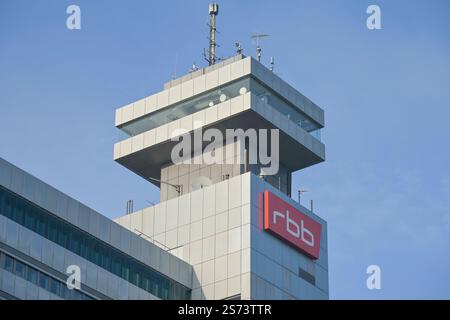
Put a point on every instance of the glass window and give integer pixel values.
(53, 231)
(18, 212)
(54, 286)
(20, 269)
(145, 282)
(316, 134)
(137, 279)
(30, 219)
(8, 208)
(32, 275)
(44, 281)
(156, 286)
(216, 96)
(116, 266)
(73, 294)
(74, 243)
(184, 108)
(76, 295)
(41, 227)
(106, 260)
(62, 237)
(65, 292)
(84, 249)
(270, 97)
(57, 287)
(96, 254)
(8, 263)
(81, 243)
(165, 293)
(126, 272)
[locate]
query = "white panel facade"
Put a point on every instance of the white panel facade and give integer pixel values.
(218, 231)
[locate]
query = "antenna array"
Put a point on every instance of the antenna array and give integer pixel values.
(213, 12)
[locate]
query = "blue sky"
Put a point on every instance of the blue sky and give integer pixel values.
(385, 187)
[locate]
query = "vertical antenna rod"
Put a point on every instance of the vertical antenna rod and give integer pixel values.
(213, 12)
(257, 37)
(258, 53)
(238, 48)
(129, 207)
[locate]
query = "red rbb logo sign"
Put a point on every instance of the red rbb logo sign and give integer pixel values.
(292, 226)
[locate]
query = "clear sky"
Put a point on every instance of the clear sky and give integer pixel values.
(385, 187)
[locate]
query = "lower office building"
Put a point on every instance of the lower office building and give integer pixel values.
(43, 232)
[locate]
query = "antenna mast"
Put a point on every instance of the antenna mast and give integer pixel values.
(213, 12)
(257, 37)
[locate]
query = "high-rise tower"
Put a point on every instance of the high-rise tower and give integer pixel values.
(234, 219)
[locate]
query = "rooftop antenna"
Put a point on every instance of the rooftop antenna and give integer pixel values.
(129, 208)
(238, 48)
(272, 63)
(258, 37)
(174, 75)
(178, 187)
(193, 68)
(300, 192)
(213, 12)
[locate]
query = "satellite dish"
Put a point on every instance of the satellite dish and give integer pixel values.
(200, 183)
(265, 99)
